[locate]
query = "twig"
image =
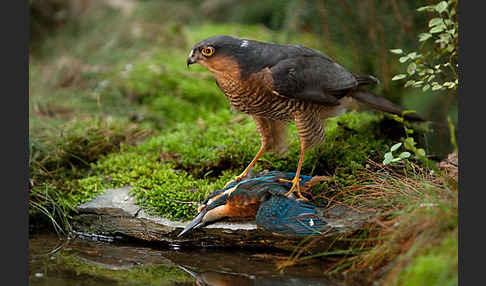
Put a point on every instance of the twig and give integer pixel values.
(186, 203)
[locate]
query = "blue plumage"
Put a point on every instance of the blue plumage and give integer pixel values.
(282, 215)
(264, 198)
(258, 186)
(271, 177)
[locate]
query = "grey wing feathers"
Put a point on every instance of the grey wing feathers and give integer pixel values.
(312, 77)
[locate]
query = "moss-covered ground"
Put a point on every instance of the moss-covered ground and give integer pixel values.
(113, 104)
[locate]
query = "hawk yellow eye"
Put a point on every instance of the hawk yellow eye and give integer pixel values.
(208, 51)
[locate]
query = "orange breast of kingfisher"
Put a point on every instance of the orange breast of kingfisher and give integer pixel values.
(242, 206)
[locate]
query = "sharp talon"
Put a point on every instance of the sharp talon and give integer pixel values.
(295, 187)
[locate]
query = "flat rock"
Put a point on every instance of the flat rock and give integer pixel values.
(115, 214)
(117, 202)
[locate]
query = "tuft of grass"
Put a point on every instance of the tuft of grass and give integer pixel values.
(414, 222)
(62, 152)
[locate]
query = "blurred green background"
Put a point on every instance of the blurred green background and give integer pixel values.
(82, 52)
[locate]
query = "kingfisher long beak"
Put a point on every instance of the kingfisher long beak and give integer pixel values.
(196, 222)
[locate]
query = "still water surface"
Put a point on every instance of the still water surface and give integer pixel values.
(54, 261)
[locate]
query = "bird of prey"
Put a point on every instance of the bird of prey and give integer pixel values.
(277, 84)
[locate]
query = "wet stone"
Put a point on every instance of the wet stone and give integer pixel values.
(115, 214)
(117, 202)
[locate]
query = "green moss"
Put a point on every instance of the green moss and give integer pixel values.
(61, 153)
(438, 266)
(159, 188)
(181, 166)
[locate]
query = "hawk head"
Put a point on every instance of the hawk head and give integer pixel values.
(222, 54)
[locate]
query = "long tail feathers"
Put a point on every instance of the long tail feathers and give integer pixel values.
(383, 104)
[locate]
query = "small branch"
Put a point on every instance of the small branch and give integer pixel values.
(186, 203)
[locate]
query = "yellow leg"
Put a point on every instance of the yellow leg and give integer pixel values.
(295, 181)
(250, 166)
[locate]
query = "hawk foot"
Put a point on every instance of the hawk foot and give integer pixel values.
(295, 187)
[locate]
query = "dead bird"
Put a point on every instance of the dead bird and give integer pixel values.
(264, 199)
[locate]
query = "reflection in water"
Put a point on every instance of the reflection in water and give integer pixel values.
(213, 278)
(219, 278)
(95, 263)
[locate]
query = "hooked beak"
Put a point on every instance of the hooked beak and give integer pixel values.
(196, 222)
(192, 58)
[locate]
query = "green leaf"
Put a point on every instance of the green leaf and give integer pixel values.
(412, 55)
(409, 83)
(452, 12)
(388, 158)
(397, 118)
(412, 68)
(449, 22)
(396, 51)
(395, 147)
(437, 87)
(425, 87)
(424, 37)
(420, 152)
(435, 22)
(437, 29)
(418, 83)
(408, 111)
(403, 59)
(409, 143)
(399, 76)
(441, 6)
(450, 48)
(426, 8)
(404, 155)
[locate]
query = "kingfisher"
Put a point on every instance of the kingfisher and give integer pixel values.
(264, 198)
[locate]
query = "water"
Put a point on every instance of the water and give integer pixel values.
(54, 261)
